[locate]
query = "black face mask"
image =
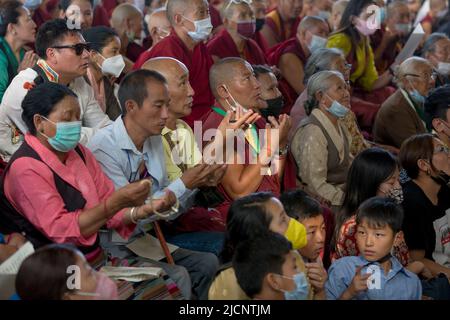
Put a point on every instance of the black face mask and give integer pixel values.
(259, 24)
(274, 107)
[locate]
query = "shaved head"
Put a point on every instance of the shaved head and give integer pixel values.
(177, 76)
(229, 7)
(310, 22)
(158, 19)
(223, 72)
(180, 7)
(164, 65)
(123, 12)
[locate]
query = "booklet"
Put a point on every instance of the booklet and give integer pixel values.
(411, 45)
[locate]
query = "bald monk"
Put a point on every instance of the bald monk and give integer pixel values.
(158, 26)
(126, 19)
(235, 39)
(281, 23)
(291, 56)
(233, 83)
(191, 25)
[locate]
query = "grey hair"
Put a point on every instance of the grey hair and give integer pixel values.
(321, 60)
(319, 82)
(430, 43)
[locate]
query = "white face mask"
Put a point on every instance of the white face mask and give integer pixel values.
(444, 68)
(113, 66)
(203, 29)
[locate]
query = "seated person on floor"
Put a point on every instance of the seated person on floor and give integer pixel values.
(131, 149)
(257, 155)
(234, 40)
(375, 274)
(269, 271)
(321, 144)
(402, 115)
(248, 218)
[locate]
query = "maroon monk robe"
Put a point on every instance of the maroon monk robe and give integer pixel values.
(40, 16)
(274, 56)
(216, 20)
(134, 51)
(100, 17)
(390, 52)
(223, 46)
(274, 22)
(261, 41)
(198, 61)
(268, 183)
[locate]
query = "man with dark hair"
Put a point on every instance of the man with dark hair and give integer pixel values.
(269, 271)
(78, 13)
(64, 59)
(437, 112)
(307, 211)
(130, 150)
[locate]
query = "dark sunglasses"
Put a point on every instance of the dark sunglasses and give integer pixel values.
(79, 47)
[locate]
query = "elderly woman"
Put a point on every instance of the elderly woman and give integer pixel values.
(333, 60)
(16, 30)
(321, 144)
(53, 189)
(105, 67)
(426, 160)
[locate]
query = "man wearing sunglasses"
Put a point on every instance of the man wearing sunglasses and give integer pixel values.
(64, 59)
(402, 115)
(191, 26)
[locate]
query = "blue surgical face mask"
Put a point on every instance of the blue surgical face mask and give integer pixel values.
(301, 287)
(382, 15)
(66, 137)
(337, 109)
(416, 96)
(317, 43)
(202, 31)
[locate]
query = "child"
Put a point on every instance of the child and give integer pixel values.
(307, 211)
(266, 269)
(375, 274)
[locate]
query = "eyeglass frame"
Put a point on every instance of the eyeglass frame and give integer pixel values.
(85, 46)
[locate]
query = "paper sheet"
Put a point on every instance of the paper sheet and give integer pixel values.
(133, 274)
(411, 45)
(149, 247)
(12, 264)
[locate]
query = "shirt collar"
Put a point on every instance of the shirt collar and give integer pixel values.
(396, 266)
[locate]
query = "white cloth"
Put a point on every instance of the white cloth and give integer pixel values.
(91, 114)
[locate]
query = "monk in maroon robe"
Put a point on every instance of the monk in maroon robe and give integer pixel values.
(281, 23)
(235, 39)
(291, 56)
(185, 43)
(233, 83)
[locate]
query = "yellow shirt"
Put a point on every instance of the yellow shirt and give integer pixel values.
(186, 152)
(366, 73)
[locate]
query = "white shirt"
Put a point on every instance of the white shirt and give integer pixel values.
(92, 117)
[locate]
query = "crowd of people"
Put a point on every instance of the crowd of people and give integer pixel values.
(268, 149)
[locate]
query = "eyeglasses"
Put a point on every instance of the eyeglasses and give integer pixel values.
(442, 149)
(79, 47)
